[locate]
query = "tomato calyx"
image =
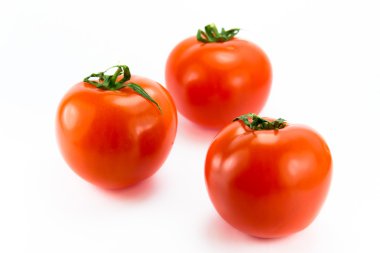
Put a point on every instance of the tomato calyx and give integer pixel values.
(110, 82)
(211, 34)
(256, 122)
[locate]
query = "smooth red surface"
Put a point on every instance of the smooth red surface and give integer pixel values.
(114, 139)
(213, 83)
(268, 183)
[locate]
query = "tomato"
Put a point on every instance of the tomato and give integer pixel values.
(268, 178)
(215, 76)
(118, 130)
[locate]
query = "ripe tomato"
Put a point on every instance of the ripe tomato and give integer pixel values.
(269, 182)
(111, 132)
(214, 77)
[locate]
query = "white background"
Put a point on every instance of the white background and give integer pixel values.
(325, 57)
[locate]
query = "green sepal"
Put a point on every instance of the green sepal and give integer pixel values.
(211, 34)
(138, 89)
(109, 82)
(255, 122)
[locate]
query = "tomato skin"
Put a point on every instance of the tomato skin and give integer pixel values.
(214, 82)
(268, 183)
(114, 139)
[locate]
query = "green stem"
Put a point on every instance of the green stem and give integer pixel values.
(211, 34)
(255, 122)
(109, 82)
(115, 75)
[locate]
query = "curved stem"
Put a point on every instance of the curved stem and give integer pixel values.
(211, 34)
(255, 122)
(109, 82)
(115, 75)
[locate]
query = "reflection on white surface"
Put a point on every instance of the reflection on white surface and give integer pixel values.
(325, 57)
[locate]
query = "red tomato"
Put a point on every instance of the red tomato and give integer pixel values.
(114, 137)
(268, 183)
(213, 81)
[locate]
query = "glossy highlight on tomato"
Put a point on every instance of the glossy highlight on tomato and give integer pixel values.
(111, 135)
(215, 76)
(268, 181)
